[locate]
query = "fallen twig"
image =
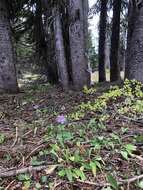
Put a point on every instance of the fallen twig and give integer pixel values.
(34, 151)
(16, 138)
(121, 182)
(94, 183)
(11, 173)
(9, 185)
(137, 121)
(37, 149)
(138, 157)
(130, 180)
(27, 133)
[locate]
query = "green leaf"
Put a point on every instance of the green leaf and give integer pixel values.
(27, 184)
(93, 168)
(72, 158)
(23, 177)
(55, 147)
(2, 138)
(38, 186)
(130, 147)
(54, 153)
(77, 157)
(86, 166)
(139, 139)
(116, 137)
(44, 179)
(112, 181)
(65, 136)
(62, 173)
(140, 184)
(80, 173)
(69, 174)
(124, 154)
(35, 162)
(124, 130)
(98, 164)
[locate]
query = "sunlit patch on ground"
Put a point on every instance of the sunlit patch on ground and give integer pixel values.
(95, 76)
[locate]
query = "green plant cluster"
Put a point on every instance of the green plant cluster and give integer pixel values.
(77, 151)
(125, 100)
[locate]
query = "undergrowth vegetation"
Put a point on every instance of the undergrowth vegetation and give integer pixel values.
(97, 144)
(126, 100)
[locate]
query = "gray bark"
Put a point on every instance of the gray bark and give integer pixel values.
(102, 41)
(51, 67)
(78, 43)
(134, 62)
(122, 58)
(8, 81)
(115, 42)
(60, 50)
(85, 19)
(131, 21)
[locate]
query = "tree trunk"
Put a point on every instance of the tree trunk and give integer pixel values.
(50, 69)
(78, 42)
(8, 81)
(85, 19)
(131, 16)
(102, 40)
(115, 42)
(39, 37)
(134, 63)
(65, 25)
(60, 50)
(86, 34)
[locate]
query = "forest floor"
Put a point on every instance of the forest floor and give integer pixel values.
(50, 139)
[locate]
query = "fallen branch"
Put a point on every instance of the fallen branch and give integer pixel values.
(121, 182)
(10, 184)
(140, 158)
(94, 183)
(130, 180)
(11, 173)
(136, 121)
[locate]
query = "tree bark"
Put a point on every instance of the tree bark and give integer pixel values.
(60, 50)
(39, 37)
(78, 42)
(50, 69)
(65, 25)
(8, 81)
(85, 19)
(134, 67)
(115, 42)
(102, 40)
(132, 16)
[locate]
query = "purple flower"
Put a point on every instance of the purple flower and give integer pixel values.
(36, 107)
(61, 119)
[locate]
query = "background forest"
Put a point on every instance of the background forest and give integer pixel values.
(71, 94)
